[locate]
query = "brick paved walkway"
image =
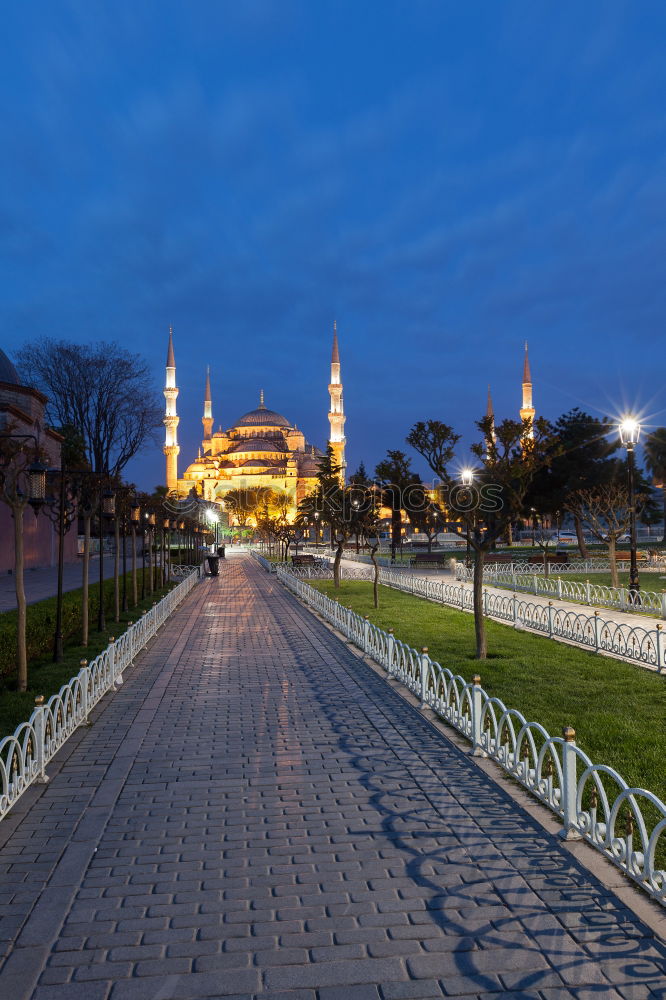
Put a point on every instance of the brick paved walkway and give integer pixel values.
(257, 812)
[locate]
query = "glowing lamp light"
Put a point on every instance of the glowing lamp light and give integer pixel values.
(467, 477)
(36, 485)
(630, 431)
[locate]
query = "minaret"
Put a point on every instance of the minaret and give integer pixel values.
(336, 414)
(171, 448)
(527, 411)
(207, 419)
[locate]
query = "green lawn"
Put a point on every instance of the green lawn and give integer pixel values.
(618, 710)
(44, 676)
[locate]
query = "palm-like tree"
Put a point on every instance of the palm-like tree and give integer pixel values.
(655, 459)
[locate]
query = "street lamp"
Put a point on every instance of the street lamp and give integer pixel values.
(630, 430)
(316, 517)
(467, 478)
(135, 520)
(107, 508)
(152, 582)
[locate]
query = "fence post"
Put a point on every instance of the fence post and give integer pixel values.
(84, 678)
(663, 604)
(623, 599)
(596, 631)
(550, 619)
(536, 586)
(477, 749)
(588, 594)
(425, 659)
(513, 576)
(391, 650)
(112, 654)
(40, 740)
(515, 609)
(559, 588)
(485, 602)
(659, 648)
(366, 634)
(569, 785)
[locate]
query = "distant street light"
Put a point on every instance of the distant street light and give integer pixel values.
(630, 430)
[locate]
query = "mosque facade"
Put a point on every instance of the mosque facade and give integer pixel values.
(262, 450)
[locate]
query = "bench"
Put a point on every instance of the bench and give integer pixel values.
(303, 560)
(552, 558)
(429, 559)
(626, 556)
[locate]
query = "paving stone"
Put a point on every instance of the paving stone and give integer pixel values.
(258, 806)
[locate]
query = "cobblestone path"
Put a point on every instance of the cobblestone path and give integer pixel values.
(256, 812)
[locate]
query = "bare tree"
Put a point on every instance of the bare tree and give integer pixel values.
(606, 512)
(102, 390)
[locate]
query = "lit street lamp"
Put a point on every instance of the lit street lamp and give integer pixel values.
(630, 430)
(467, 478)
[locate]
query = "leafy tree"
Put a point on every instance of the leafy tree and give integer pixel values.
(509, 460)
(579, 458)
(401, 490)
(360, 477)
(655, 459)
(102, 390)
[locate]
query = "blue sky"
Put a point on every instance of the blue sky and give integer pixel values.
(445, 179)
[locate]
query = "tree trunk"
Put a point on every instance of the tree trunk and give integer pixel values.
(546, 567)
(615, 576)
(336, 565)
(396, 525)
(663, 493)
(509, 534)
(85, 607)
(22, 655)
(579, 535)
(116, 573)
(375, 576)
(479, 621)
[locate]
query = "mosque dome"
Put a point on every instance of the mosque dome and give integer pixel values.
(7, 371)
(262, 417)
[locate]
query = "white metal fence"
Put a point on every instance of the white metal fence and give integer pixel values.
(25, 754)
(637, 643)
(595, 594)
(592, 800)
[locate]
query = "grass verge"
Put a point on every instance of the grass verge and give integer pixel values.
(46, 677)
(618, 710)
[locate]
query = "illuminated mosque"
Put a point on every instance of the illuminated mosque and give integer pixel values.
(262, 449)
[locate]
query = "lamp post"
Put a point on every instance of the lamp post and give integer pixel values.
(467, 478)
(151, 560)
(135, 518)
(316, 518)
(630, 430)
(107, 508)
